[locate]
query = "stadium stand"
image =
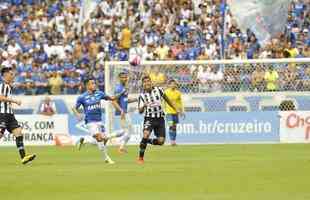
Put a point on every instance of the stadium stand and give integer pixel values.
(40, 40)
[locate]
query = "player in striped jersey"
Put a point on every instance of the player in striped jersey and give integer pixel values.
(150, 103)
(172, 116)
(7, 118)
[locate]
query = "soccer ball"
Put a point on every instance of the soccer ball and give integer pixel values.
(135, 60)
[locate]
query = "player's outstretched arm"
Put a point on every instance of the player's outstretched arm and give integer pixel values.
(141, 105)
(116, 105)
(118, 94)
(77, 114)
(132, 100)
(141, 109)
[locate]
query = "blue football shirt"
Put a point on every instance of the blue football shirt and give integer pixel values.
(122, 100)
(91, 105)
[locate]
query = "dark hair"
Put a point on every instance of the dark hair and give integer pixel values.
(86, 81)
(286, 53)
(172, 81)
(122, 73)
(145, 77)
(287, 105)
(5, 70)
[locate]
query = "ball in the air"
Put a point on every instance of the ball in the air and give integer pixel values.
(135, 61)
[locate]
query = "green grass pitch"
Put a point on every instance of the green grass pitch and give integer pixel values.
(207, 172)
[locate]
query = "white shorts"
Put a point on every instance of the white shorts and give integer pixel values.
(95, 128)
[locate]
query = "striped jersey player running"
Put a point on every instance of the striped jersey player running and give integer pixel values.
(7, 118)
(150, 103)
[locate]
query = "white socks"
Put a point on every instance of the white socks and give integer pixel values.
(103, 149)
(116, 134)
(125, 139)
(90, 140)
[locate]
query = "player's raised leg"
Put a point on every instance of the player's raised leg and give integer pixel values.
(127, 127)
(17, 132)
(172, 123)
(158, 125)
(143, 144)
(96, 132)
(159, 131)
(101, 143)
(82, 141)
(115, 134)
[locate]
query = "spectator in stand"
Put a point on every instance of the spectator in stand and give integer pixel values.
(234, 79)
(216, 79)
(290, 78)
(203, 78)
(253, 47)
(306, 51)
(41, 31)
(13, 48)
(55, 83)
(19, 85)
(71, 83)
(305, 79)
(158, 78)
(126, 35)
(29, 84)
(98, 74)
(41, 83)
(258, 79)
(47, 107)
(162, 51)
(93, 49)
(271, 79)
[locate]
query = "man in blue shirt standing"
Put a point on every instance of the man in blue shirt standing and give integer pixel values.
(121, 94)
(91, 103)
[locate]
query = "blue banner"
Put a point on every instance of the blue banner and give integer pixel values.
(229, 127)
(213, 127)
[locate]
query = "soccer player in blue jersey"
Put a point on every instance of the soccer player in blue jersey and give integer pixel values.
(121, 94)
(91, 103)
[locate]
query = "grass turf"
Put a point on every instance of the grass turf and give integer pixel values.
(212, 172)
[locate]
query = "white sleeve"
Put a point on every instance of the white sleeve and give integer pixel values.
(140, 102)
(2, 88)
(53, 107)
(42, 107)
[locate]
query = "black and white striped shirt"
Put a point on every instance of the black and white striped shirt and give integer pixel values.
(5, 107)
(152, 100)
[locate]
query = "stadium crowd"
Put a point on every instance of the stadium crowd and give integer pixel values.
(40, 39)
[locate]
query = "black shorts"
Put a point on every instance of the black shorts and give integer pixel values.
(155, 124)
(8, 122)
